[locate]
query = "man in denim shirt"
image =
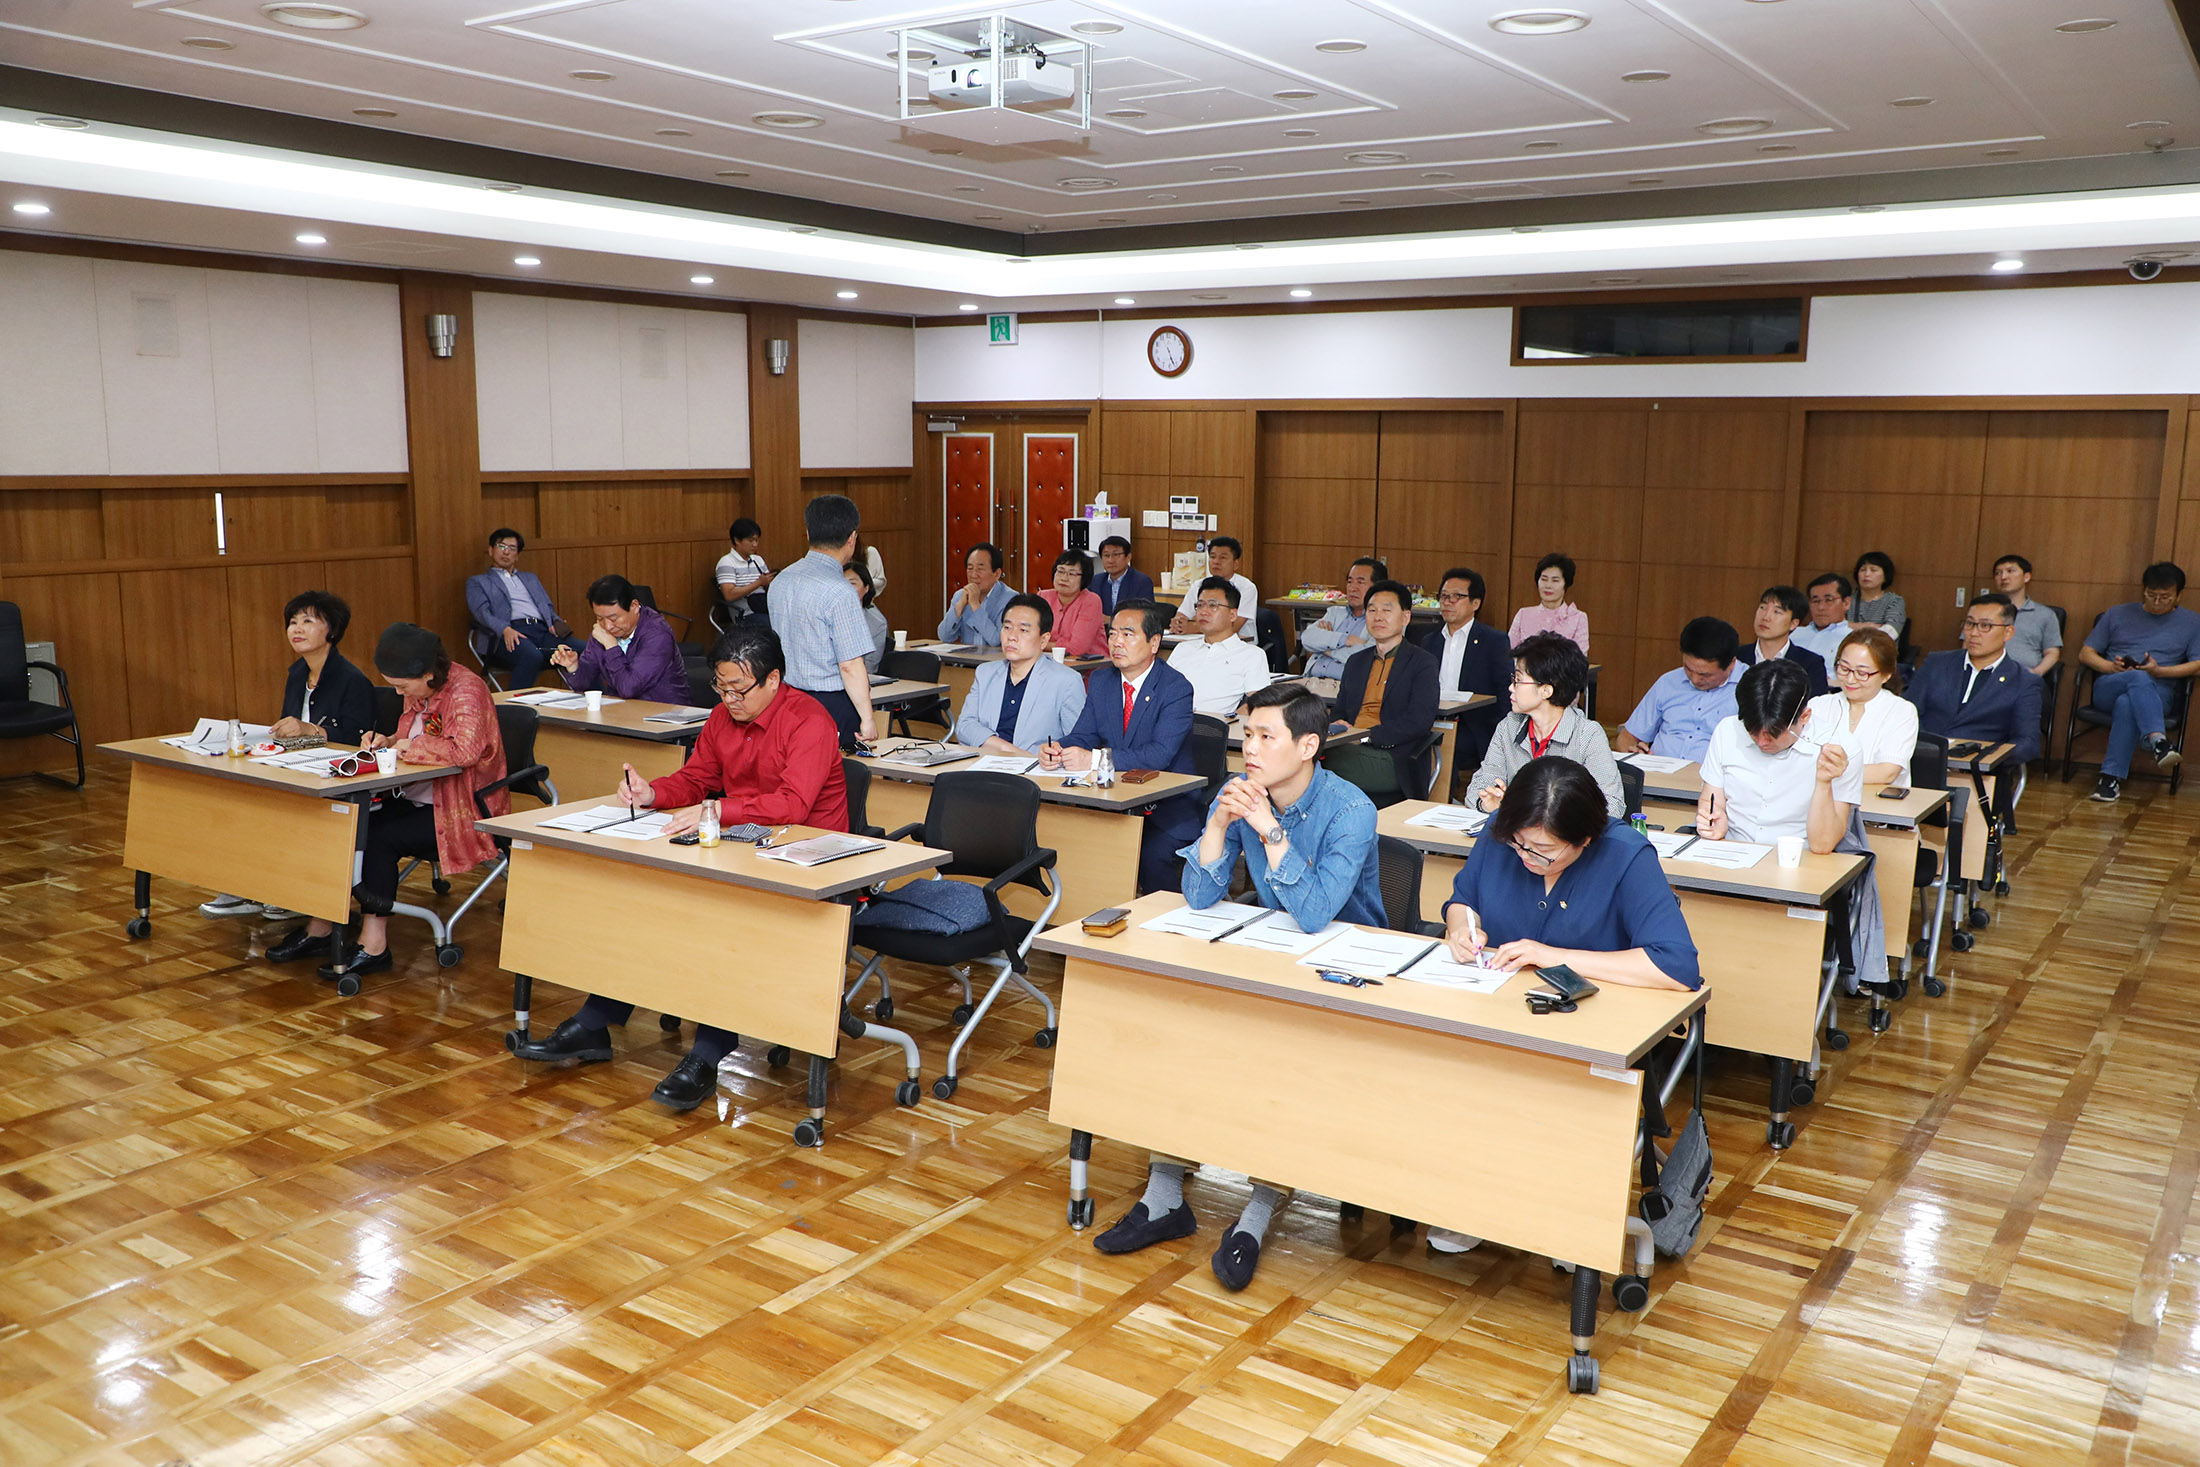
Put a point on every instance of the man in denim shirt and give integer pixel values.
(1308, 838)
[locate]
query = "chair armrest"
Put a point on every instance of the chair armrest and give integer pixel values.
(60, 678)
(686, 621)
(517, 776)
(914, 827)
(1041, 857)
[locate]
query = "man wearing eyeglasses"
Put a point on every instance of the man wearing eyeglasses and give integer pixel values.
(770, 754)
(1470, 658)
(515, 626)
(1223, 667)
(1981, 692)
(2136, 651)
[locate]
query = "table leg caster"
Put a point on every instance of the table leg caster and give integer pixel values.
(809, 1131)
(1837, 1039)
(1629, 1292)
(1581, 1375)
(514, 1038)
(961, 1014)
(1962, 941)
(778, 1056)
(944, 1087)
(1350, 1212)
(347, 987)
(138, 928)
(670, 1023)
(1780, 1134)
(909, 1091)
(1044, 1039)
(1080, 1213)
(1802, 1092)
(1881, 1020)
(449, 954)
(1980, 918)
(883, 1010)
(1934, 987)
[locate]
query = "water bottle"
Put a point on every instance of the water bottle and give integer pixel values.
(1103, 769)
(1640, 822)
(236, 737)
(707, 832)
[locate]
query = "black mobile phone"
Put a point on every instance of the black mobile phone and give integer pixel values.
(690, 839)
(1896, 792)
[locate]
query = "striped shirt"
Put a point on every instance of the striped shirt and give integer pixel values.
(820, 623)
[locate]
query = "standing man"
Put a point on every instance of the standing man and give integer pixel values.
(513, 613)
(1676, 716)
(1026, 700)
(1831, 596)
(1223, 667)
(631, 652)
(2136, 650)
(1779, 612)
(1224, 557)
(1470, 658)
(743, 577)
(1983, 692)
(2038, 640)
(974, 612)
(1342, 630)
(1118, 582)
(820, 617)
(1141, 711)
(1390, 691)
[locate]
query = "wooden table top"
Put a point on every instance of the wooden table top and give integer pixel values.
(1685, 786)
(1616, 1027)
(1811, 884)
(623, 719)
(904, 690)
(1120, 796)
(243, 770)
(734, 862)
(977, 656)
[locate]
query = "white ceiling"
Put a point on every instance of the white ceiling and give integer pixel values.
(1475, 114)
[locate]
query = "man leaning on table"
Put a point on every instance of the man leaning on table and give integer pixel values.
(1342, 630)
(1223, 666)
(1308, 840)
(1026, 700)
(1676, 716)
(511, 610)
(631, 651)
(770, 754)
(973, 615)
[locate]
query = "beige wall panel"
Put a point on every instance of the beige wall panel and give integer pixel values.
(157, 368)
(718, 390)
(653, 396)
(585, 427)
(358, 376)
(512, 381)
(53, 415)
(260, 341)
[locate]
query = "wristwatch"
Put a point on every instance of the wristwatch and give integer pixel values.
(1276, 835)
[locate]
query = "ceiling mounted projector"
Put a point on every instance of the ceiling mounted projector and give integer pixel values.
(992, 79)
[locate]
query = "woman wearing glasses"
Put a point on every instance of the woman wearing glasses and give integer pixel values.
(1866, 716)
(1549, 672)
(448, 718)
(1772, 770)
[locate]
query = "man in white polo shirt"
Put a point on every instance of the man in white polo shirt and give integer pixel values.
(1223, 667)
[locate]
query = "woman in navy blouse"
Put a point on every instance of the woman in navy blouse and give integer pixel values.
(1553, 879)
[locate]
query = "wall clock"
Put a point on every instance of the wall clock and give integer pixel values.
(1169, 351)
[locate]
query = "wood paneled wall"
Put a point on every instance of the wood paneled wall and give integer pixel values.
(887, 498)
(1149, 452)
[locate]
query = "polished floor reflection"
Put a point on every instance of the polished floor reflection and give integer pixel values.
(245, 1221)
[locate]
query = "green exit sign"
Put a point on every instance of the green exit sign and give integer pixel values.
(1000, 328)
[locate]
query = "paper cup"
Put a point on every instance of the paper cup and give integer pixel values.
(594, 698)
(1061, 654)
(385, 761)
(901, 641)
(1790, 848)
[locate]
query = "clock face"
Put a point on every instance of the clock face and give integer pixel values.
(1169, 351)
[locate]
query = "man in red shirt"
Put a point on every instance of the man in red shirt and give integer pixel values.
(770, 755)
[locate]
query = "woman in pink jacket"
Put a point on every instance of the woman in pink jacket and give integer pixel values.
(1078, 622)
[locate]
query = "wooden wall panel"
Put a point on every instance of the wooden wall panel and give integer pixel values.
(176, 648)
(82, 616)
(1137, 441)
(1318, 446)
(1336, 514)
(259, 650)
(364, 516)
(1690, 447)
(288, 519)
(1453, 448)
(1865, 451)
(378, 591)
(443, 439)
(159, 524)
(1211, 444)
(1444, 496)
(509, 506)
(50, 525)
(1560, 443)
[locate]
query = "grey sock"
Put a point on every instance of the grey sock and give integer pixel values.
(1164, 1188)
(1258, 1212)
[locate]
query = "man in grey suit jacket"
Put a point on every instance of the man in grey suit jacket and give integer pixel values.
(515, 625)
(1027, 698)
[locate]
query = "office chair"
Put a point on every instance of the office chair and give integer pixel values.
(1268, 636)
(477, 645)
(1210, 743)
(1935, 868)
(1630, 788)
(916, 667)
(1399, 873)
(2053, 678)
(2084, 718)
(21, 717)
(858, 775)
(516, 724)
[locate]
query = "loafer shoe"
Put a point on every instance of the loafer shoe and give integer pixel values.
(690, 1084)
(571, 1040)
(358, 965)
(1137, 1230)
(1235, 1261)
(298, 944)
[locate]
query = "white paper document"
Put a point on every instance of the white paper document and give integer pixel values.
(304, 761)
(1668, 843)
(936, 648)
(555, 698)
(1207, 922)
(1280, 932)
(1003, 764)
(1439, 969)
(645, 827)
(211, 736)
(677, 715)
(1657, 763)
(1450, 817)
(596, 817)
(1733, 855)
(819, 849)
(1369, 954)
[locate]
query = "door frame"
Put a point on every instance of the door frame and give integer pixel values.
(1076, 473)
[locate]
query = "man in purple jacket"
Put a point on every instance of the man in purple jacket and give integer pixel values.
(631, 653)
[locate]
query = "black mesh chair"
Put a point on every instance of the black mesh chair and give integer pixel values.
(516, 727)
(1399, 872)
(991, 824)
(22, 717)
(1929, 771)
(2084, 718)
(1210, 743)
(1630, 788)
(648, 598)
(477, 645)
(858, 775)
(917, 667)
(2053, 678)
(1268, 634)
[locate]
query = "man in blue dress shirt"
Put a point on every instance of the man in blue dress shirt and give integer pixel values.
(2137, 651)
(973, 615)
(1676, 716)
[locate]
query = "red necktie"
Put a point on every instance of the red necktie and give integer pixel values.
(1128, 697)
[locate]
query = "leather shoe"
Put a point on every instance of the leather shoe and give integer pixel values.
(358, 964)
(296, 945)
(373, 903)
(1236, 1259)
(1137, 1230)
(571, 1040)
(689, 1085)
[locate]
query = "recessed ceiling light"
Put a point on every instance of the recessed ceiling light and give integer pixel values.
(1300, 132)
(589, 75)
(1125, 112)
(1375, 157)
(1540, 145)
(1086, 184)
(674, 132)
(1302, 293)
(846, 295)
(1645, 76)
(945, 152)
(793, 121)
(34, 210)
(1355, 203)
(1159, 198)
(525, 260)
(1911, 102)
(2002, 152)
(1293, 94)
(1124, 300)
(702, 280)
(1538, 22)
(1777, 148)
(502, 188)
(312, 15)
(209, 43)
(969, 188)
(1439, 175)
(1226, 168)
(802, 229)
(1733, 127)
(1340, 48)
(312, 239)
(1097, 28)
(2006, 267)
(2084, 27)
(989, 218)
(69, 124)
(967, 306)
(373, 112)
(1209, 297)
(1644, 182)
(731, 173)
(2143, 126)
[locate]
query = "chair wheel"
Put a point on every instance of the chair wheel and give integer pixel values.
(1962, 941)
(442, 887)
(1837, 1039)
(347, 987)
(778, 1056)
(1781, 1134)
(809, 1131)
(138, 928)
(1350, 1212)
(1802, 1092)
(1629, 1293)
(2001, 888)
(1581, 1375)
(670, 1023)
(1934, 987)
(961, 1014)
(1900, 986)
(883, 1010)
(447, 956)
(908, 1092)
(1080, 1213)
(1881, 1019)
(944, 1087)
(1920, 948)
(1981, 919)
(514, 1038)
(1044, 1039)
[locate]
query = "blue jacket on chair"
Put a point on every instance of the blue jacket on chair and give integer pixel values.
(1137, 586)
(1159, 737)
(2004, 707)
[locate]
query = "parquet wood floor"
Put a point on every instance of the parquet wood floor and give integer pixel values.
(243, 1221)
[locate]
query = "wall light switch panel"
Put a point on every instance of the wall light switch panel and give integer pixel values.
(1156, 519)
